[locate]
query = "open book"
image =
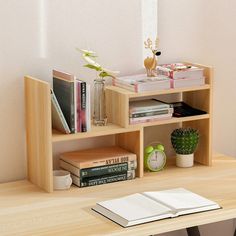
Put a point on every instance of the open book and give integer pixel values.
(150, 206)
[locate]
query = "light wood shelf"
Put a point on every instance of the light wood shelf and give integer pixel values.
(40, 136)
(158, 92)
(172, 121)
(199, 97)
(96, 131)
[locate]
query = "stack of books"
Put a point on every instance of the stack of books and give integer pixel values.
(142, 83)
(182, 75)
(149, 110)
(70, 103)
(99, 165)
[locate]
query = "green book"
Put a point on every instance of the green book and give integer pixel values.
(105, 179)
(99, 170)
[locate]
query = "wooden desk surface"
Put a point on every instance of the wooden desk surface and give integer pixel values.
(26, 210)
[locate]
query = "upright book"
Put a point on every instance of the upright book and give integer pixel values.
(64, 89)
(58, 119)
(151, 206)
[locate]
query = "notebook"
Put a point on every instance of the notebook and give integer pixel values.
(145, 207)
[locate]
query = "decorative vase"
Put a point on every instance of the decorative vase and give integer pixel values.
(184, 160)
(99, 114)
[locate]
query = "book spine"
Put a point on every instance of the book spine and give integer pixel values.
(123, 85)
(88, 107)
(134, 121)
(72, 108)
(151, 113)
(92, 181)
(83, 107)
(102, 162)
(78, 110)
(100, 170)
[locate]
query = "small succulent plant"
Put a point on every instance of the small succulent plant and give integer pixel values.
(185, 140)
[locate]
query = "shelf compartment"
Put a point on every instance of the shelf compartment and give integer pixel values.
(172, 121)
(158, 92)
(96, 131)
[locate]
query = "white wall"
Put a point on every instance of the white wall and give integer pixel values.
(39, 35)
(204, 32)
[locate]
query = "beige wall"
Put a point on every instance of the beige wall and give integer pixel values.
(204, 32)
(37, 36)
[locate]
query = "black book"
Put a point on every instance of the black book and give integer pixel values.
(64, 89)
(181, 109)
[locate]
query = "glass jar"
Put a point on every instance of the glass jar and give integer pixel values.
(99, 114)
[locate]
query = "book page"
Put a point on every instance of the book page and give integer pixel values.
(135, 207)
(180, 199)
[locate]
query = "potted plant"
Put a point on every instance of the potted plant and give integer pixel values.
(185, 141)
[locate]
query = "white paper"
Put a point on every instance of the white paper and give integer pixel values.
(134, 207)
(180, 199)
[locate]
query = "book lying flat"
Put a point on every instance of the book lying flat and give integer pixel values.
(145, 207)
(103, 179)
(180, 71)
(142, 83)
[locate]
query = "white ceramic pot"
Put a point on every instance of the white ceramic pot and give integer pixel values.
(184, 160)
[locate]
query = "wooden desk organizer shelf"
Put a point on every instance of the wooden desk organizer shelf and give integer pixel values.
(40, 136)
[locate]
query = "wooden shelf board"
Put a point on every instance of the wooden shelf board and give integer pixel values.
(155, 93)
(172, 120)
(96, 131)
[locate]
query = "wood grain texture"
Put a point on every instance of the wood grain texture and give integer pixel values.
(202, 100)
(38, 132)
(131, 94)
(133, 142)
(26, 210)
(117, 105)
(96, 131)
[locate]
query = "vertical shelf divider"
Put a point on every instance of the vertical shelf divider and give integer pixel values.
(38, 133)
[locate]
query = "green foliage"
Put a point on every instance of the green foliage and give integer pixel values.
(104, 74)
(89, 57)
(97, 68)
(185, 140)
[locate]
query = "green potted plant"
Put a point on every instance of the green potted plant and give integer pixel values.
(184, 142)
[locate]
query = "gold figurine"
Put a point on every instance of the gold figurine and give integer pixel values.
(150, 63)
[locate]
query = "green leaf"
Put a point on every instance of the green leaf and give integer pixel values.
(104, 74)
(93, 67)
(89, 55)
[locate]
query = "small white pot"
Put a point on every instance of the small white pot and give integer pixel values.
(184, 160)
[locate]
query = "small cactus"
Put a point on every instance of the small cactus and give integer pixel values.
(185, 140)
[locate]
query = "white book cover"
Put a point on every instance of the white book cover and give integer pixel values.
(183, 83)
(147, 105)
(142, 83)
(150, 206)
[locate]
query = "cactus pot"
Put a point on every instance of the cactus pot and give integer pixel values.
(184, 160)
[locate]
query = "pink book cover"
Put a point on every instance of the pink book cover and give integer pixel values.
(78, 97)
(63, 75)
